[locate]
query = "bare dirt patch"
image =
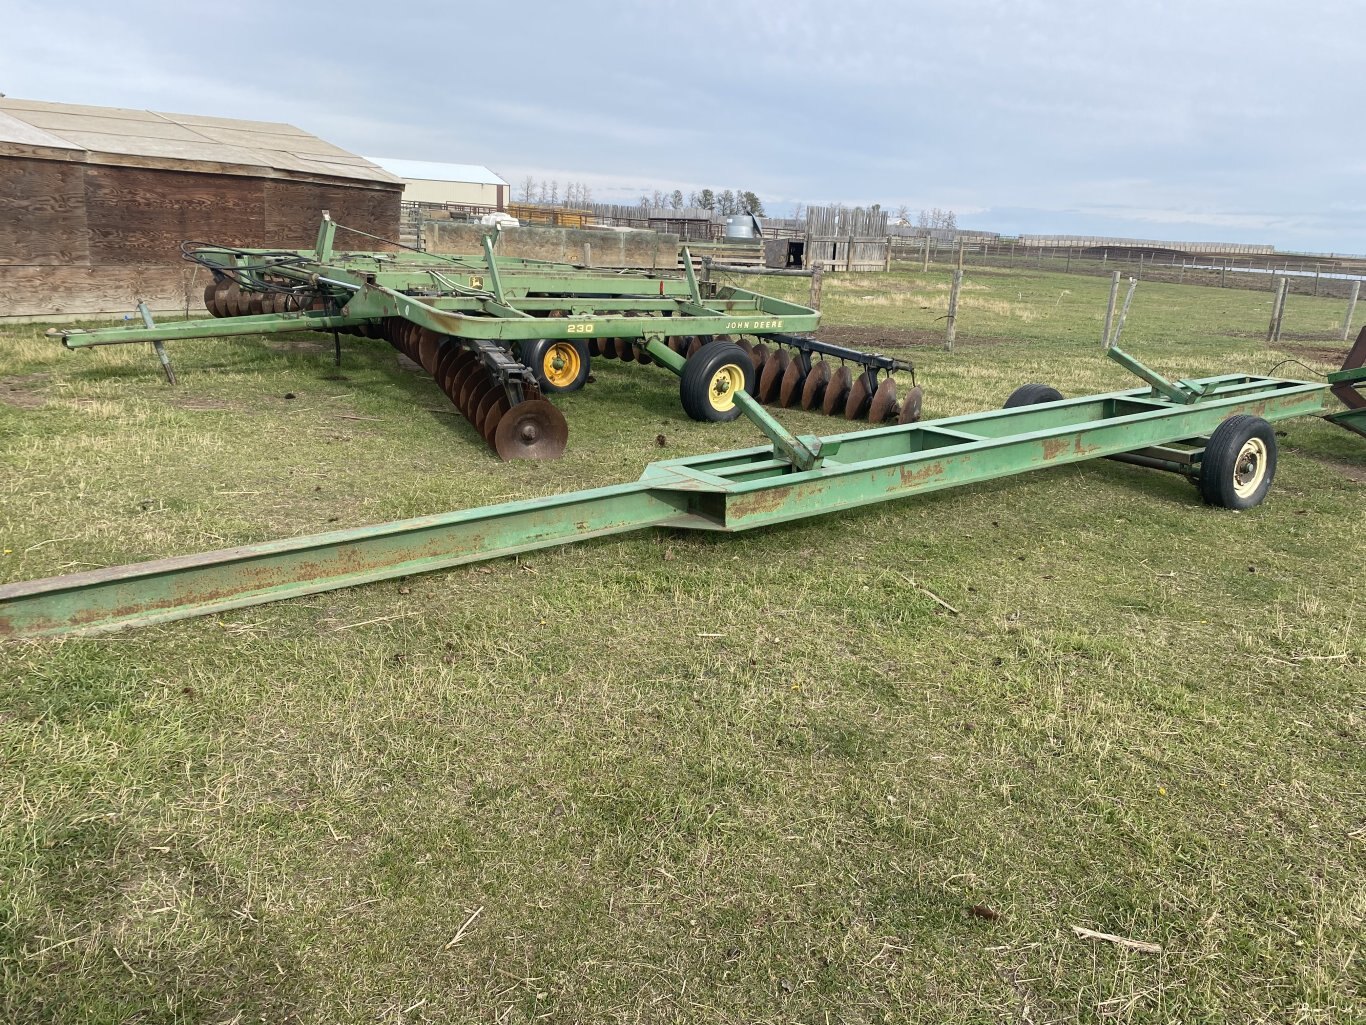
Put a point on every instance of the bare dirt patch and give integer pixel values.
(202, 404)
(24, 391)
(1332, 355)
(1354, 472)
(295, 345)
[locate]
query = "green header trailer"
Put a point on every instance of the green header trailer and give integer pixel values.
(1216, 431)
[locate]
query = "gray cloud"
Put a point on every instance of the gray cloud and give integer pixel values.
(1160, 118)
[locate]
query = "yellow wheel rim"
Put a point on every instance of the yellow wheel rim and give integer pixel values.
(1250, 468)
(561, 364)
(724, 384)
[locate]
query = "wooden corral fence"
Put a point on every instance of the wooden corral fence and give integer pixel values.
(690, 224)
(846, 238)
(551, 216)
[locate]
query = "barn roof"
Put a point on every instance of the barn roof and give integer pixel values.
(431, 170)
(147, 138)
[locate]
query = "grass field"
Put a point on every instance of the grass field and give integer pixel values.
(542, 789)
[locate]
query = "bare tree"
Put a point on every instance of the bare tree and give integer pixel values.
(528, 189)
(903, 213)
(555, 193)
(676, 199)
(545, 192)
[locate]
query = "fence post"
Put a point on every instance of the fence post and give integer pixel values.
(588, 254)
(1316, 279)
(951, 330)
(1273, 331)
(1069, 261)
(926, 249)
(816, 285)
(1280, 313)
(1223, 271)
(1351, 308)
(887, 260)
(960, 255)
(1110, 309)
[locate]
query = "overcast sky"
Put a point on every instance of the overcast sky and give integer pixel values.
(1162, 119)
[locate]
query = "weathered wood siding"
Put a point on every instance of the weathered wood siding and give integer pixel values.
(86, 239)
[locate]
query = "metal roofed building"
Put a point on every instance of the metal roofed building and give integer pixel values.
(95, 201)
(440, 184)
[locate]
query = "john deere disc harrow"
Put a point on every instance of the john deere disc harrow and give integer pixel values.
(498, 334)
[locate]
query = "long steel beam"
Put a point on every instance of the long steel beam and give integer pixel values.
(727, 491)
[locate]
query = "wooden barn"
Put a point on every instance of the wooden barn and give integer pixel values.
(95, 201)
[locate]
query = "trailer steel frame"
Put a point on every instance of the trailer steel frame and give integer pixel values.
(725, 492)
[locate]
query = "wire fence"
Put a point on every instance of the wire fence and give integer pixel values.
(1255, 271)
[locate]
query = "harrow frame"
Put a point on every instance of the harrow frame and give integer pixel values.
(433, 307)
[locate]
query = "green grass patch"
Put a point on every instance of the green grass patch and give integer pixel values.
(538, 789)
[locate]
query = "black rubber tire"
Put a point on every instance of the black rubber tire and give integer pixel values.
(695, 387)
(1239, 463)
(531, 354)
(1032, 395)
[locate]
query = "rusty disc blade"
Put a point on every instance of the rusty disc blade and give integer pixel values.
(444, 365)
(910, 409)
(642, 356)
(467, 382)
(884, 405)
(232, 300)
(211, 297)
(624, 349)
(813, 391)
(484, 389)
(760, 355)
(428, 345)
(486, 405)
(860, 395)
(837, 391)
(595, 348)
(410, 336)
(531, 430)
(771, 377)
(490, 425)
(678, 344)
(790, 389)
(455, 378)
(695, 342)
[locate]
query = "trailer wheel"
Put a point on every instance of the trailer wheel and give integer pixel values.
(1239, 463)
(711, 379)
(1032, 395)
(560, 364)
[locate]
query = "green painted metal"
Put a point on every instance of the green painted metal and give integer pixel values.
(727, 491)
(476, 297)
